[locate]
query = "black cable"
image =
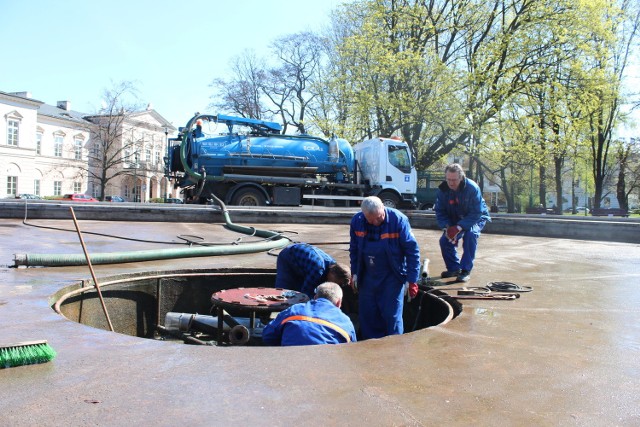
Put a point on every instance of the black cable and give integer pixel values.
(508, 287)
(188, 239)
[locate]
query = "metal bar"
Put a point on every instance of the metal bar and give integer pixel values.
(93, 274)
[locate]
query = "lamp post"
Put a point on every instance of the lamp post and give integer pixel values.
(136, 193)
(586, 187)
(166, 149)
(531, 186)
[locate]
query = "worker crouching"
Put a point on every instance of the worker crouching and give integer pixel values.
(302, 267)
(319, 321)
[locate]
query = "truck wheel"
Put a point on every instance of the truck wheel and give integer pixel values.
(389, 199)
(426, 207)
(249, 197)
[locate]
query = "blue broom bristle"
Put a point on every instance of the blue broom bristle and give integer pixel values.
(29, 354)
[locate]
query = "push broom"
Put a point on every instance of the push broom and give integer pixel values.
(25, 353)
(33, 352)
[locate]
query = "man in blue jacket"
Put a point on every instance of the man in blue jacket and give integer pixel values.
(319, 321)
(384, 256)
(461, 213)
(301, 267)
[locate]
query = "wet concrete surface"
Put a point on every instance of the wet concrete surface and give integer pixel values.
(566, 353)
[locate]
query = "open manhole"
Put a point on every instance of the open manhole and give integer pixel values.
(209, 307)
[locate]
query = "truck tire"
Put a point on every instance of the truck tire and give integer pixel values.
(426, 206)
(249, 197)
(389, 199)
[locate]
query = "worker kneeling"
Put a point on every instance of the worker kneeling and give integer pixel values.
(319, 321)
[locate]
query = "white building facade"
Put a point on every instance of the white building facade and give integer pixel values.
(44, 150)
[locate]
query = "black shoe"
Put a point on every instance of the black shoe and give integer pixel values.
(464, 276)
(447, 274)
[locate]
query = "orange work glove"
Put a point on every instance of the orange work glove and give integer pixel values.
(452, 233)
(413, 290)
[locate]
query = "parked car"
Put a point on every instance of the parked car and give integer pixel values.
(28, 196)
(113, 199)
(173, 200)
(78, 198)
(579, 209)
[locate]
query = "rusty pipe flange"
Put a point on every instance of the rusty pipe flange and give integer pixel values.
(257, 299)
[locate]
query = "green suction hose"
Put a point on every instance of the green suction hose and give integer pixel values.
(272, 240)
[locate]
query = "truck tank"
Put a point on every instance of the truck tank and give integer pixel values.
(261, 149)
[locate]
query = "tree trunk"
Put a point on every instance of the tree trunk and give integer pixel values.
(542, 188)
(621, 185)
(558, 163)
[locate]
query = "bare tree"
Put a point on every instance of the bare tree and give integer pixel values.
(112, 146)
(300, 58)
(283, 89)
(242, 93)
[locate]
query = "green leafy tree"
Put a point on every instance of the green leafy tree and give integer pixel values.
(628, 160)
(615, 24)
(516, 85)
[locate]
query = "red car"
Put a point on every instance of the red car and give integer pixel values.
(78, 198)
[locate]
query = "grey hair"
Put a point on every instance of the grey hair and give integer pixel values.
(372, 204)
(455, 167)
(329, 290)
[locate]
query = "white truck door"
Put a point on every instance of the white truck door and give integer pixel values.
(400, 172)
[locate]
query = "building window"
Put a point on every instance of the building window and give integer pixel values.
(78, 149)
(126, 191)
(39, 143)
(57, 188)
(77, 187)
(36, 187)
(157, 158)
(57, 145)
(147, 155)
(12, 185)
(13, 127)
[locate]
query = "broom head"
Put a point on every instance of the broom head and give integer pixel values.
(25, 353)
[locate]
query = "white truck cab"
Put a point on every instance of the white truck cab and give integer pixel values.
(386, 165)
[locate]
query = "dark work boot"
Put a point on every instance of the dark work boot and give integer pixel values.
(447, 274)
(464, 276)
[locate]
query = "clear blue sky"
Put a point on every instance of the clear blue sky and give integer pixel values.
(172, 50)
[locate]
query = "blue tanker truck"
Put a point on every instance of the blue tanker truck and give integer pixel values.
(249, 162)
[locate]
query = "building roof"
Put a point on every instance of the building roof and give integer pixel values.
(20, 97)
(58, 112)
(61, 113)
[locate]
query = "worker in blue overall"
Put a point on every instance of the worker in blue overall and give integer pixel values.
(302, 267)
(319, 321)
(384, 257)
(461, 213)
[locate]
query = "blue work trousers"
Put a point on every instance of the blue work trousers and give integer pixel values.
(469, 238)
(381, 311)
(380, 294)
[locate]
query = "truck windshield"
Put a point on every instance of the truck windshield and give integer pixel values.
(399, 157)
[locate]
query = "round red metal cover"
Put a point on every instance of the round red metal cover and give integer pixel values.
(258, 299)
